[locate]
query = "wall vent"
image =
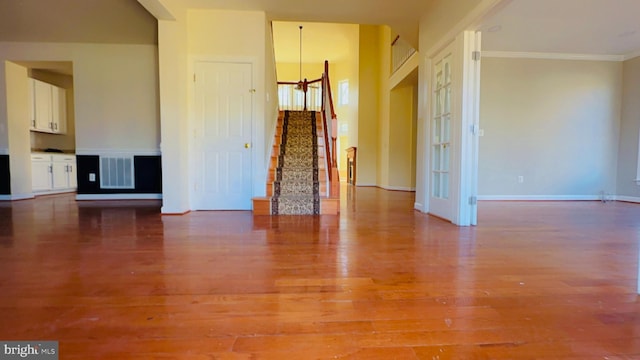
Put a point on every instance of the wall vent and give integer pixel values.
(116, 172)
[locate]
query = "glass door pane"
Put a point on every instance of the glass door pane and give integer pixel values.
(441, 129)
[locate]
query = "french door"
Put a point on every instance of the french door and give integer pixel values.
(441, 124)
(453, 130)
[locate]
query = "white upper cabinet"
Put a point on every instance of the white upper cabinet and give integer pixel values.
(48, 107)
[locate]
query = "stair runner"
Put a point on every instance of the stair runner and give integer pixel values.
(296, 187)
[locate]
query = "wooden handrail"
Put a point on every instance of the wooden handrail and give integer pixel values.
(327, 150)
(395, 40)
(334, 122)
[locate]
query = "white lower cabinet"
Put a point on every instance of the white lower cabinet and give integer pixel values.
(41, 177)
(52, 173)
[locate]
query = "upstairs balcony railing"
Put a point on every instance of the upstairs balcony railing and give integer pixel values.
(401, 51)
(302, 95)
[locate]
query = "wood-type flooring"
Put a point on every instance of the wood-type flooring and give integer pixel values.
(117, 280)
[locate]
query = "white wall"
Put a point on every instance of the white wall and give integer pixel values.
(237, 36)
(173, 65)
(214, 35)
(115, 86)
(629, 129)
(553, 122)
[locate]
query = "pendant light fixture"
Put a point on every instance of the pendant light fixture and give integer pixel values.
(301, 84)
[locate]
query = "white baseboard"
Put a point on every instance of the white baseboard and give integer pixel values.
(418, 206)
(83, 197)
(632, 199)
(398, 188)
(53, 192)
(168, 211)
(16, 197)
(539, 197)
(366, 185)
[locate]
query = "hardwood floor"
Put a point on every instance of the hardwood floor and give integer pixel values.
(535, 280)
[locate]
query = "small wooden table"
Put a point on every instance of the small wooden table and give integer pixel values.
(351, 165)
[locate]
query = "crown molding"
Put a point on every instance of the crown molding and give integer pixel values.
(552, 56)
(632, 55)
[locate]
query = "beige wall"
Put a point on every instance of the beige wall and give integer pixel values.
(402, 137)
(291, 71)
(271, 89)
(368, 105)
(16, 79)
(347, 114)
(554, 122)
(384, 99)
(629, 128)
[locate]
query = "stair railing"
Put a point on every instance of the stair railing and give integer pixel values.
(315, 95)
(330, 123)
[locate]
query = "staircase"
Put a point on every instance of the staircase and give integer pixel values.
(296, 189)
(297, 180)
(303, 175)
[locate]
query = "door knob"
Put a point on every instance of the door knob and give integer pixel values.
(247, 145)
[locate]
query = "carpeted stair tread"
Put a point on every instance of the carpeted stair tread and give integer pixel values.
(296, 187)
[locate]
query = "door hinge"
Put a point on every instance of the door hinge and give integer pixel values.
(474, 129)
(473, 200)
(475, 55)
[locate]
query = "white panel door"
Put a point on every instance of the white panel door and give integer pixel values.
(441, 130)
(223, 121)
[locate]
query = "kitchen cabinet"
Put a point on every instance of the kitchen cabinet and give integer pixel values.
(48, 107)
(41, 173)
(53, 173)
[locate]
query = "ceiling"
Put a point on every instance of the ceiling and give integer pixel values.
(77, 21)
(595, 27)
(403, 16)
(608, 27)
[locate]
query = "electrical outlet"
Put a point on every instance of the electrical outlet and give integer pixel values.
(92, 177)
(520, 179)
